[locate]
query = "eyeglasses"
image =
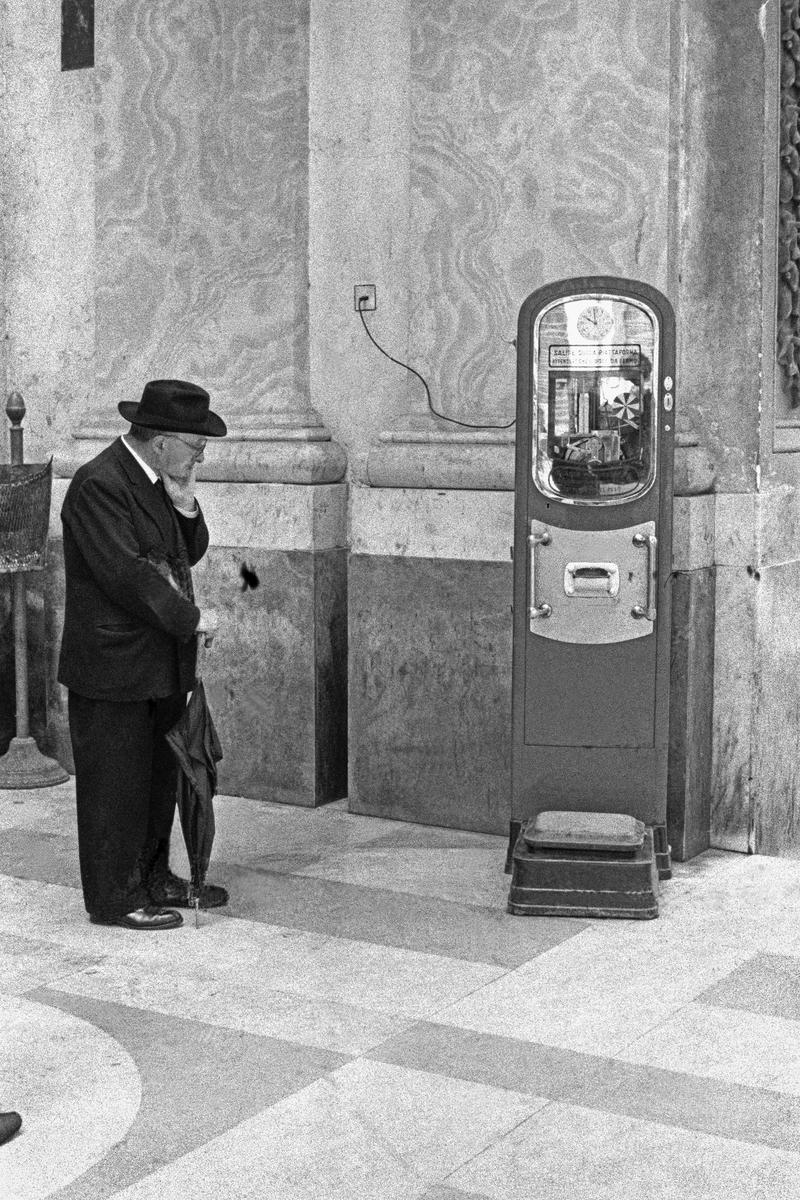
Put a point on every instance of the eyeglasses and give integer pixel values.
(194, 448)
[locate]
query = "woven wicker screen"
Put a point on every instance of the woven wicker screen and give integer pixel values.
(24, 515)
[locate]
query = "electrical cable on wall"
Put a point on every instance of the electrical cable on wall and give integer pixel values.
(397, 362)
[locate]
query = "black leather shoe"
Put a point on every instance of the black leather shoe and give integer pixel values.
(9, 1125)
(175, 891)
(149, 917)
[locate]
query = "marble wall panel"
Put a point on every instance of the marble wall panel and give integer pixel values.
(259, 672)
(691, 713)
(693, 532)
(718, 256)
(735, 673)
(756, 781)
(201, 161)
(423, 523)
(47, 201)
(330, 674)
(275, 683)
(540, 149)
(430, 691)
(776, 725)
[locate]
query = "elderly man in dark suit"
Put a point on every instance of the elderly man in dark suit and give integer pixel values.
(132, 531)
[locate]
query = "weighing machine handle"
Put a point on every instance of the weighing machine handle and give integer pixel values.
(650, 544)
(537, 610)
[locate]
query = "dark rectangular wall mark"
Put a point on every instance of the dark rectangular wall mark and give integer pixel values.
(77, 34)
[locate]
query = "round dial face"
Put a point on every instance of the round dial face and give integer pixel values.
(595, 322)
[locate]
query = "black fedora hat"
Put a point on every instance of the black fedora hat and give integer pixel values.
(174, 406)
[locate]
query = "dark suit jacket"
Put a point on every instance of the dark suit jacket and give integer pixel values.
(128, 632)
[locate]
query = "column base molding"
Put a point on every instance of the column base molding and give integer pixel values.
(425, 452)
(280, 453)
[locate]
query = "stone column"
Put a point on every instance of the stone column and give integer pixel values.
(200, 161)
(430, 590)
(359, 196)
(740, 408)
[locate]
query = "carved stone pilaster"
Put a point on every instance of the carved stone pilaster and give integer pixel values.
(788, 328)
(694, 470)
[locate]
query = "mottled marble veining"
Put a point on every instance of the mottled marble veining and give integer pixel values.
(755, 778)
(776, 722)
(201, 159)
(47, 188)
(428, 523)
(691, 731)
(345, 1041)
(276, 675)
(430, 690)
(539, 150)
(735, 680)
(78, 1088)
(544, 1157)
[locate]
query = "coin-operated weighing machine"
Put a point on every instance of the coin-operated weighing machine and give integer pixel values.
(592, 562)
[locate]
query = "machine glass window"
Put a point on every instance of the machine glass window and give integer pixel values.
(595, 362)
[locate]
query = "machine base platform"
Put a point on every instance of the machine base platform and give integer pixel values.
(581, 877)
(663, 850)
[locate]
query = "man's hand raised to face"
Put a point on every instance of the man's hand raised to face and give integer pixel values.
(181, 490)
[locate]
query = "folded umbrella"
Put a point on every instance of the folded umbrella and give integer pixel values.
(194, 742)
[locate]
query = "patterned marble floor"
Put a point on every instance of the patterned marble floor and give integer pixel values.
(365, 1022)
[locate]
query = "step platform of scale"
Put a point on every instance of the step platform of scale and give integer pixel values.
(580, 864)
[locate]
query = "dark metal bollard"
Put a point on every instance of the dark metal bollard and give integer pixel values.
(24, 514)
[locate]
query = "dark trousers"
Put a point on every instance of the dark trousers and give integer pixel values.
(125, 783)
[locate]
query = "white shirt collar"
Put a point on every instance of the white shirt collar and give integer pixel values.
(148, 470)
